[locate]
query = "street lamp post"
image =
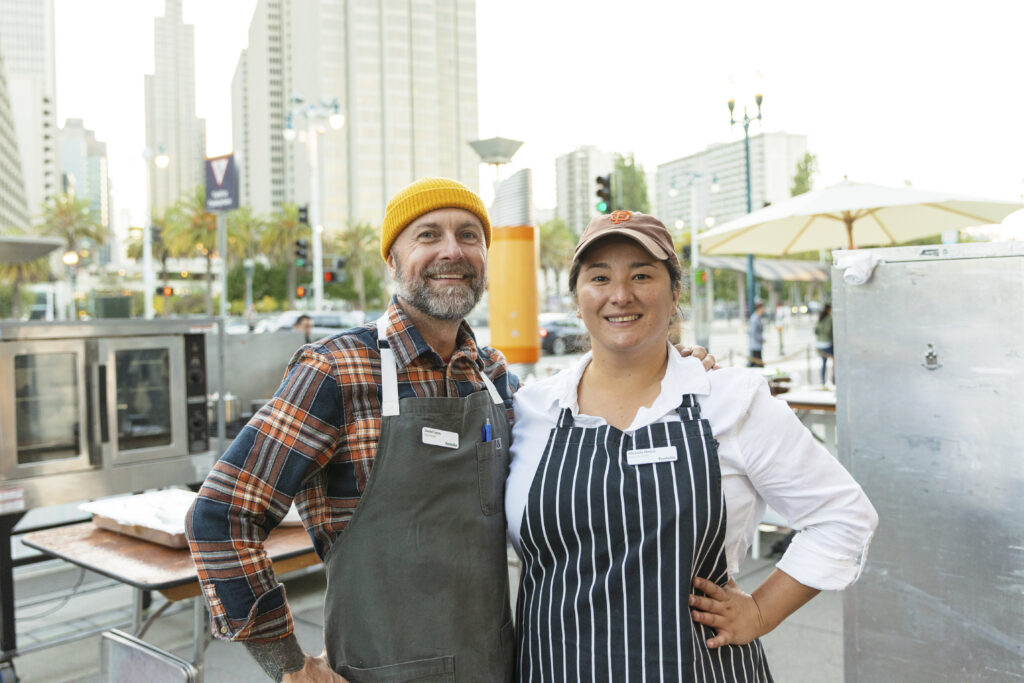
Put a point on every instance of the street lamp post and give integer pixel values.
(746, 150)
(314, 116)
(698, 300)
(160, 160)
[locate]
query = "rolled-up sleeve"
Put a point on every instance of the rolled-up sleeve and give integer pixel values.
(249, 491)
(802, 481)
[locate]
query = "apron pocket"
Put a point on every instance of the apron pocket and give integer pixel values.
(491, 471)
(436, 670)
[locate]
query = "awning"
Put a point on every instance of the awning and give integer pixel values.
(779, 270)
(17, 249)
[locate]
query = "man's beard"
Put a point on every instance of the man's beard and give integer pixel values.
(447, 302)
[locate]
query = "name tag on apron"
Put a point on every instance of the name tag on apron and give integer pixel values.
(650, 456)
(439, 437)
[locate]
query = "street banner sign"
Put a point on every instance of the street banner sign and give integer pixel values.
(221, 184)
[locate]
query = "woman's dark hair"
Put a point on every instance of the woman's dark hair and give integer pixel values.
(826, 310)
(675, 271)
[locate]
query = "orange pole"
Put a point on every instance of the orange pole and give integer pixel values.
(512, 292)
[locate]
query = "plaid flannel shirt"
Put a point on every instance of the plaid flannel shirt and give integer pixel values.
(313, 443)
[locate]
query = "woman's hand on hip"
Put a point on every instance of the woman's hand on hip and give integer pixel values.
(316, 670)
(733, 614)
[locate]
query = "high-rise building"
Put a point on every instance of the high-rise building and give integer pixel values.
(13, 210)
(576, 184)
(83, 167)
(260, 91)
(513, 200)
(240, 128)
(716, 178)
(26, 41)
(403, 75)
(172, 127)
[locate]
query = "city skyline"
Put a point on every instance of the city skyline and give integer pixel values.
(887, 99)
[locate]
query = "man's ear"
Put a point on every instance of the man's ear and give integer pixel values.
(391, 264)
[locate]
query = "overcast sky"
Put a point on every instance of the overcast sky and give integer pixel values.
(886, 90)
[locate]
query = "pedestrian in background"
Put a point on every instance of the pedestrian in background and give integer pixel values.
(781, 317)
(304, 325)
(756, 333)
(823, 337)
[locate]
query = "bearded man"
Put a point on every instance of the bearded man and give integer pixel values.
(376, 434)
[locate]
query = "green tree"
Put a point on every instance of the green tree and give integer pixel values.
(359, 244)
(17, 274)
(244, 231)
(629, 187)
(266, 282)
(245, 228)
(803, 179)
(72, 220)
(161, 251)
(278, 240)
(557, 243)
(191, 230)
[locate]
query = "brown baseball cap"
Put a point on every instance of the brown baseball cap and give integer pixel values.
(647, 231)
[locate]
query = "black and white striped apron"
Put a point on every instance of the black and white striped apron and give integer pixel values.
(610, 551)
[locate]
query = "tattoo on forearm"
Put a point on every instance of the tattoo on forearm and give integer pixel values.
(278, 657)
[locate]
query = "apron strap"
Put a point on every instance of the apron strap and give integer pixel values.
(688, 408)
(565, 419)
(388, 371)
(389, 374)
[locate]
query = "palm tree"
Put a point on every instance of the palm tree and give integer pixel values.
(17, 274)
(244, 231)
(278, 242)
(556, 247)
(245, 228)
(359, 243)
(161, 251)
(194, 229)
(72, 220)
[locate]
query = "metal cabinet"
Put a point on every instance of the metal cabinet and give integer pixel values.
(930, 399)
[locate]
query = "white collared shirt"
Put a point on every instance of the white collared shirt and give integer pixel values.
(766, 456)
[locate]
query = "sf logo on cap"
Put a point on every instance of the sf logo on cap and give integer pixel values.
(620, 216)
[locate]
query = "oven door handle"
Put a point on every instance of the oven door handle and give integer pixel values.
(101, 385)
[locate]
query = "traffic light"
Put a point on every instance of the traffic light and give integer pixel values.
(329, 277)
(304, 214)
(300, 292)
(301, 252)
(165, 290)
(604, 193)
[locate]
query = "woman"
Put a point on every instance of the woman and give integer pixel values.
(823, 341)
(638, 480)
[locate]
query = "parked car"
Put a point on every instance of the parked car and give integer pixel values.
(325, 323)
(562, 333)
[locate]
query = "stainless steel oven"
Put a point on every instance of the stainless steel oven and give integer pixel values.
(44, 416)
(141, 391)
(93, 409)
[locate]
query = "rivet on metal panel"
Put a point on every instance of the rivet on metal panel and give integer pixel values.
(931, 359)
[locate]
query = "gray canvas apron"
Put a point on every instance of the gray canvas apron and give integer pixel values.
(417, 585)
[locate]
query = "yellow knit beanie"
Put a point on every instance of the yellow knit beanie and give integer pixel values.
(424, 196)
